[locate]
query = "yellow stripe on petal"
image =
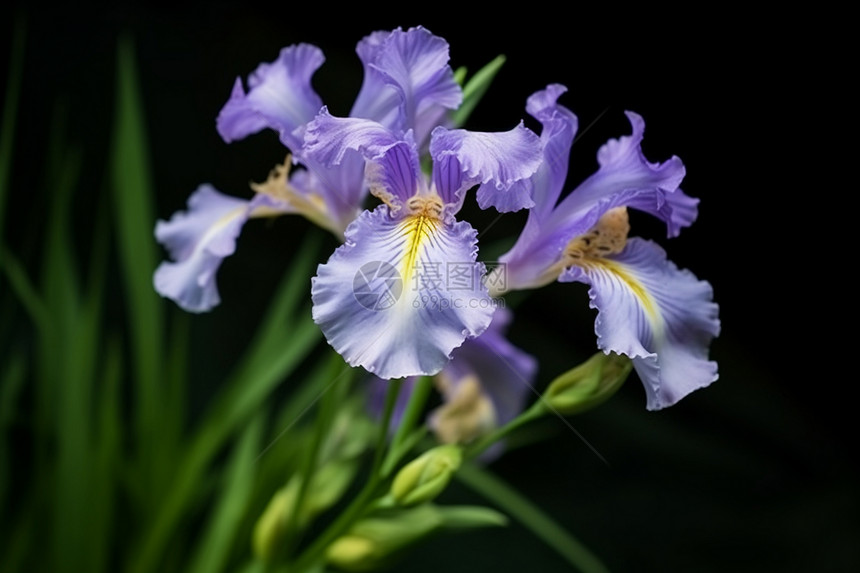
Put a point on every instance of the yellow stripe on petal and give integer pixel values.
(416, 231)
(417, 228)
(646, 300)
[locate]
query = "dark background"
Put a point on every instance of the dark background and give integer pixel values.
(754, 473)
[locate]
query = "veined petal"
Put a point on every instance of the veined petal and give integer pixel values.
(395, 171)
(559, 126)
(499, 162)
(198, 240)
(415, 64)
(280, 97)
(647, 186)
(377, 99)
(384, 301)
(661, 317)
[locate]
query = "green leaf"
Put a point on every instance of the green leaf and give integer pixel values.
(531, 516)
(470, 516)
(475, 89)
(219, 535)
(133, 214)
(282, 342)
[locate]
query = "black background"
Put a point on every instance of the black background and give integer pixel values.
(753, 473)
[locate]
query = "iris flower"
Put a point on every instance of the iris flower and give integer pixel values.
(662, 317)
(483, 387)
(407, 84)
(385, 300)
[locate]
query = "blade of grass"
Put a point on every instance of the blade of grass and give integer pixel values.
(133, 213)
(534, 518)
(282, 342)
(108, 456)
(219, 536)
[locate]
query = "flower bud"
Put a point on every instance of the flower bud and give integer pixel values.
(426, 476)
(588, 384)
(375, 541)
(269, 529)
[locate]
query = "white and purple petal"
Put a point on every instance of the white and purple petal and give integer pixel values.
(280, 97)
(661, 317)
(198, 240)
(383, 300)
(500, 163)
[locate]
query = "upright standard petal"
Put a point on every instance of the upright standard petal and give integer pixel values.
(198, 241)
(499, 162)
(279, 97)
(384, 300)
(414, 65)
(661, 317)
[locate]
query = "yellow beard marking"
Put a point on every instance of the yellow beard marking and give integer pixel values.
(609, 237)
(418, 227)
(310, 205)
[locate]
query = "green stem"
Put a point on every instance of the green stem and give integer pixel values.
(481, 445)
(401, 443)
(314, 553)
(543, 526)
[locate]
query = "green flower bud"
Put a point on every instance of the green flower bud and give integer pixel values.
(327, 486)
(269, 529)
(376, 541)
(426, 476)
(587, 385)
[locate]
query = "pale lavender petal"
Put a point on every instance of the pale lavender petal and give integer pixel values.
(415, 64)
(279, 97)
(396, 170)
(499, 162)
(377, 99)
(383, 300)
(647, 186)
(198, 240)
(661, 317)
(559, 127)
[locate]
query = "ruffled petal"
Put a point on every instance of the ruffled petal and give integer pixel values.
(198, 240)
(395, 170)
(500, 162)
(661, 317)
(386, 301)
(559, 127)
(279, 97)
(414, 64)
(645, 186)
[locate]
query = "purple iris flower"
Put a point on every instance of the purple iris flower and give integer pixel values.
(483, 387)
(407, 84)
(385, 300)
(661, 317)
